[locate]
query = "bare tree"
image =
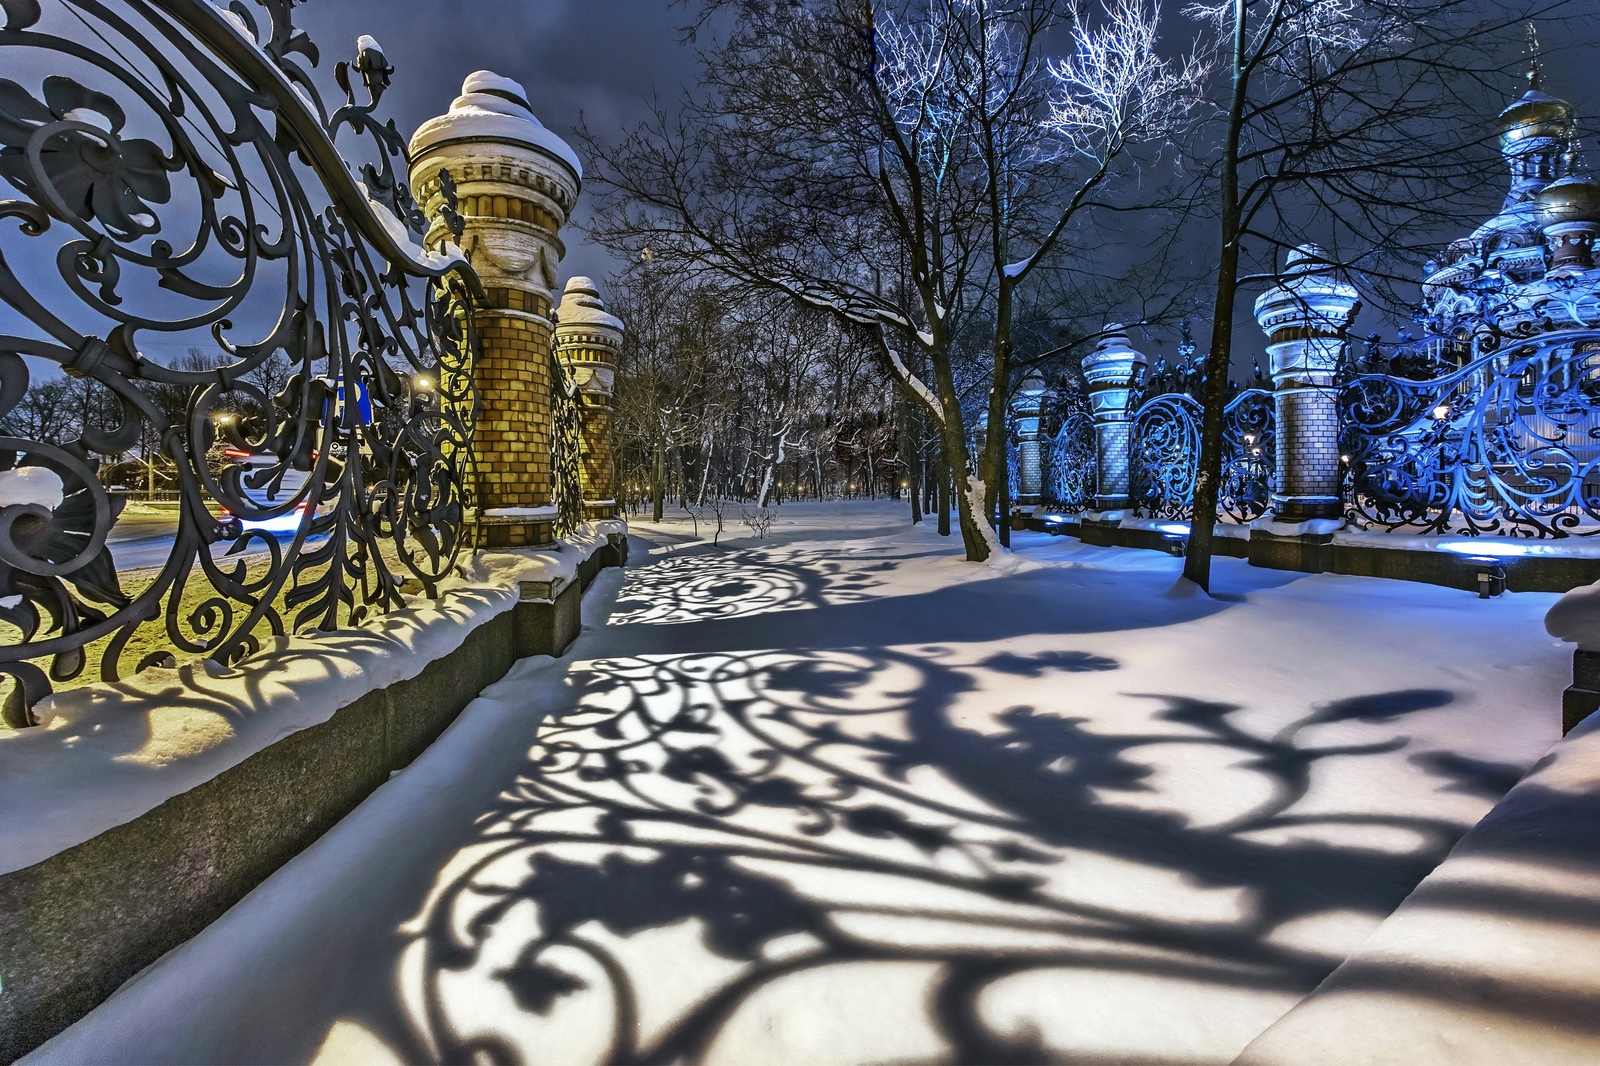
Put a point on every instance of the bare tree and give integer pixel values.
(1052, 136)
(51, 410)
(831, 156)
(1353, 123)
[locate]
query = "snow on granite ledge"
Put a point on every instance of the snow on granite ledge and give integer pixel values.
(111, 751)
(1493, 959)
(1575, 618)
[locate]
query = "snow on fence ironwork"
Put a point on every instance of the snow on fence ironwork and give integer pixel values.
(180, 185)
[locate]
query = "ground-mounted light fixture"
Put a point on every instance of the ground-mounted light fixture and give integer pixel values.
(1174, 537)
(1491, 576)
(1488, 559)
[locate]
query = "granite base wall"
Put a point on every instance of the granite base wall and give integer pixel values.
(76, 926)
(1321, 555)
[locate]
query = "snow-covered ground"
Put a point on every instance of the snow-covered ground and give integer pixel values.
(836, 796)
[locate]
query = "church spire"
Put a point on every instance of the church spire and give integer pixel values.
(1535, 132)
(1535, 73)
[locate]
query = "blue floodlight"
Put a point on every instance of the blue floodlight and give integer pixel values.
(1491, 550)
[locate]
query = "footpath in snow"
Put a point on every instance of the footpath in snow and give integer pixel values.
(836, 796)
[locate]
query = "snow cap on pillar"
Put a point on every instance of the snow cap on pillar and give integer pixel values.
(1313, 297)
(1030, 394)
(588, 337)
(515, 184)
(493, 108)
(1114, 361)
(581, 305)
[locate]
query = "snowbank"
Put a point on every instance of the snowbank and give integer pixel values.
(107, 753)
(1575, 618)
(1494, 958)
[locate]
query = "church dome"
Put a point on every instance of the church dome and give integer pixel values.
(1570, 199)
(1535, 114)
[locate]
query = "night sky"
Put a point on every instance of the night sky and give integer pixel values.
(603, 59)
(599, 59)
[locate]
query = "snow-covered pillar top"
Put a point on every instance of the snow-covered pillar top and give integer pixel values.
(1026, 408)
(1305, 319)
(1114, 369)
(588, 339)
(588, 343)
(516, 183)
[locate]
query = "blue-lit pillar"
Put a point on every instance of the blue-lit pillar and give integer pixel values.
(1114, 371)
(1305, 319)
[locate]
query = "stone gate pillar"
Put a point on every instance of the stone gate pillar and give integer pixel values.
(588, 342)
(1113, 369)
(1305, 320)
(1026, 409)
(517, 183)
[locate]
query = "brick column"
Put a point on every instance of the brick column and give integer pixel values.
(1026, 409)
(588, 341)
(1113, 369)
(1305, 320)
(517, 183)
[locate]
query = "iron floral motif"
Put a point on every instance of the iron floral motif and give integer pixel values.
(190, 173)
(1507, 444)
(1166, 455)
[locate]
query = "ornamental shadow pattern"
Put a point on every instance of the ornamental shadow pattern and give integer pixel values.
(180, 183)
(702, 585)
(711, 845)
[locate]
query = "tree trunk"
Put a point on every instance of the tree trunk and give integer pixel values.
(994, 449)
(909, 460)
(1202, 523)
(705, 471)
(658, 474)
(1005, 510)
(943, 474)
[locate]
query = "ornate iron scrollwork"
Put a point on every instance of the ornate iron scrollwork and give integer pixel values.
(180, 182)
(1166, 456)
(1508, 444)
(1249, 452)
(567, 449)
(1070, 464)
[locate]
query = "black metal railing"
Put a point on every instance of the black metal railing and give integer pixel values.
(178, 186)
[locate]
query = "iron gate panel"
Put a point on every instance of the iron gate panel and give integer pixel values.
(178, 170)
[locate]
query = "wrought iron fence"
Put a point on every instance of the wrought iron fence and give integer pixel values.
(1166, 456)
(1069, 464)
(1249, 454)
(179, 178)
(566, 460)
(1508, 444)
